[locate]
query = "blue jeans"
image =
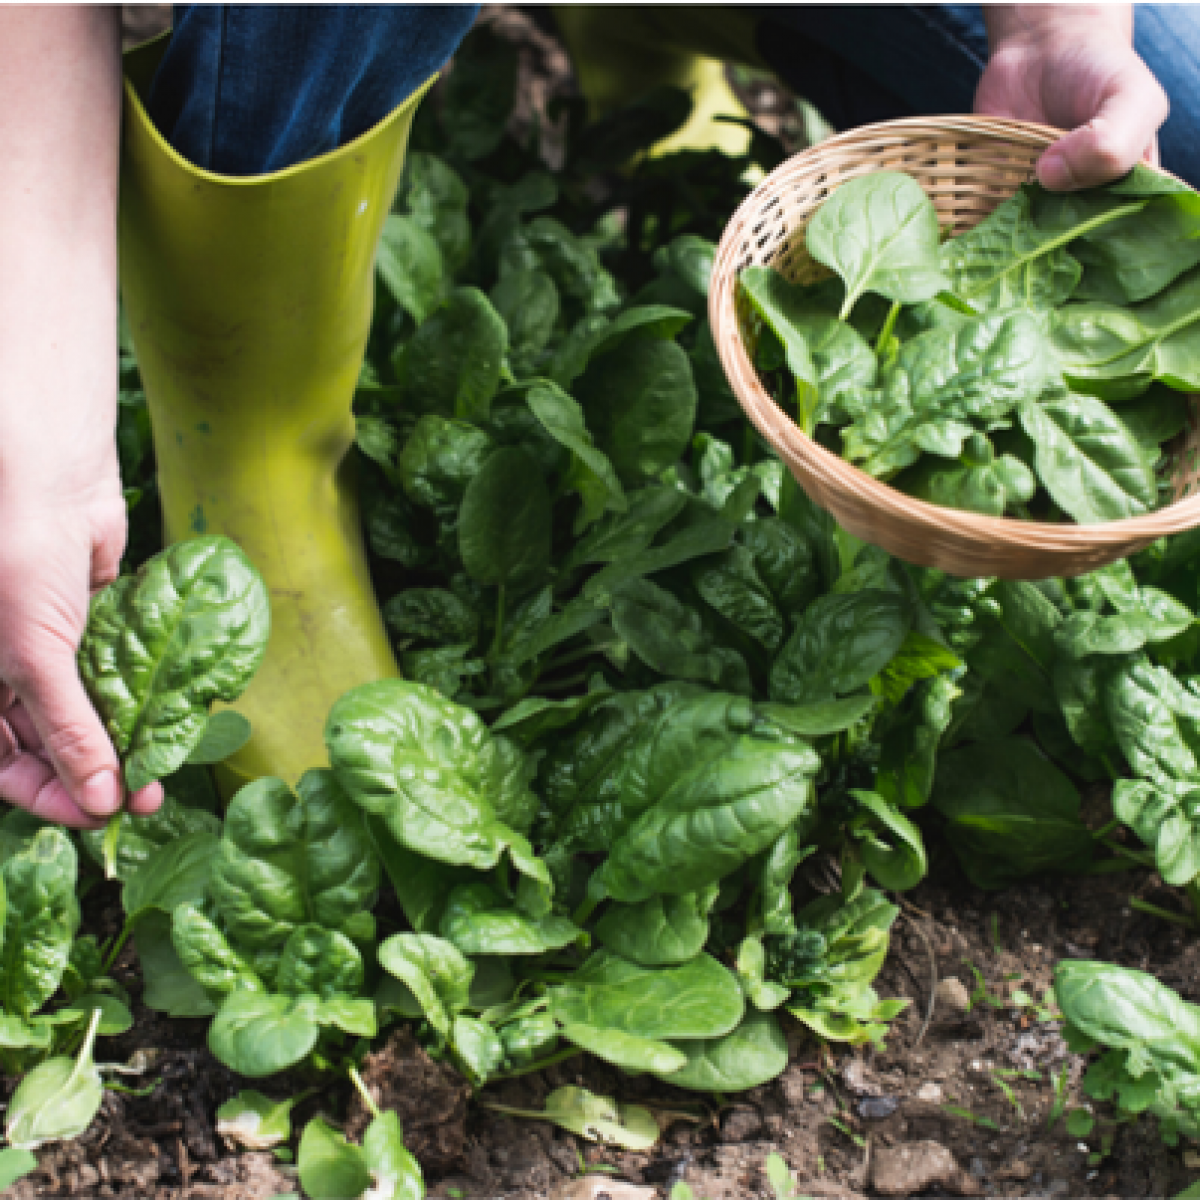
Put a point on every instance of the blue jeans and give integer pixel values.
(246, 89)
(859, 65)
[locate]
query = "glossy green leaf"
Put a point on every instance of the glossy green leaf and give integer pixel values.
(395, 1173)
(1117, 352)
(660, 932)
(1166, 816)
(190, 628)
(256, 1122)
(592, 474)
(750, 1055)
(288, 859)
(696, 1000)
(671, 638)
(57, 1100)
(177, 873)
(714, 818)
(596, 1118)
(431, 769)
(259, 1034)
(478, 1047)
(436, 972)
(321, 961)
(207, 956)
(640, 405)
(226, 733)
(879, 232)
(169, 986)
(331, 1168)
(1012, 813)
(451, 366)
(504, 523)
(141, 838)
(41, 915)
(1087, 460)
(839, 644)
(478, 920)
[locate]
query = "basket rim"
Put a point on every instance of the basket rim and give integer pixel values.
(835, 471)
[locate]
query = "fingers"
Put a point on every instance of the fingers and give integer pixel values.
(72, 739)
(1117, 137)
(146, 801)
(29, 782)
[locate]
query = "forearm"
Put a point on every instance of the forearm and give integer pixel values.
(1009, 22)
(59, 144)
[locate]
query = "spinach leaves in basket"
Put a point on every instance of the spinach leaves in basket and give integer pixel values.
(1031, 367)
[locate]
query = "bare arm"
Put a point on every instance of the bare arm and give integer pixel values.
(62, 517)
(1074, 66)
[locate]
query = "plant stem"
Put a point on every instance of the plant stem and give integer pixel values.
(885, 334)
(372, 1107)
(1154, 911)
(494, 652)
(541, 1064)
(118, 946)
(85, 1055)
(1140, 857)
(1105, 830)
(566, 660)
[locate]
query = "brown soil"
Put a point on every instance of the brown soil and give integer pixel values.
(928, 1115)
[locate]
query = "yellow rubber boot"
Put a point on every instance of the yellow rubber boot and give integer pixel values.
(249, 301)
(620, 52)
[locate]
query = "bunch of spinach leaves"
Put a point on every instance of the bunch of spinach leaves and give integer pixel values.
(1031, 366)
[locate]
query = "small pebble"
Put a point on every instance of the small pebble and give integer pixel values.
(951, 993)
(877, 1108)
(929, 1093)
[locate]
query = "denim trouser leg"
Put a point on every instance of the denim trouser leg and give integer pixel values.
(859, 64)
(245, 89)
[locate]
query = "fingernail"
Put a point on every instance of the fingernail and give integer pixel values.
(101, 794)
(1055, 173)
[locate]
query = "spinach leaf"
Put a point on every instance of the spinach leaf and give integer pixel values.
(699, 999)
(839, 644)
(663, 931)
(41, 915)
(259, 1033)
(289, 859)
(1086, 458)
(527, 302)
(670, 637)
(504, 523)
(880, 233)
(714, 818)
(748, 1056)
(591, 473)
(452, 364)
(434, 970)
(1166, 816)
(410, 265)
(1011, 813)
(1116, 352)
(190, 628)
(478, 920)
(640, 406)
(444, 786)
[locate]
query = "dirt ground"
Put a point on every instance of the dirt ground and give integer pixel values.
(958, 1104)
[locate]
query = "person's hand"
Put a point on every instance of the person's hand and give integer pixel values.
(1074, 67)
(56, 759)
(62, 515)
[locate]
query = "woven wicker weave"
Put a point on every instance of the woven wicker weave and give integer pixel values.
(968, 165)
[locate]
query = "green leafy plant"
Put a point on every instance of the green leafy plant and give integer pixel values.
(1150, 1039)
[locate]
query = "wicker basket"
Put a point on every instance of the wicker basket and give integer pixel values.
(968, 165)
